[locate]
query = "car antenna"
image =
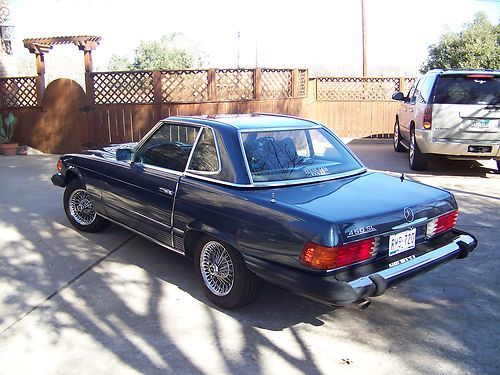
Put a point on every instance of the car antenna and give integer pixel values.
(402, 178)
(273, 199)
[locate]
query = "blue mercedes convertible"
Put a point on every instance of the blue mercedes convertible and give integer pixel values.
(265, 197)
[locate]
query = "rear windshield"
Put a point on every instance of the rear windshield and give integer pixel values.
(295, 154)
(470, 89)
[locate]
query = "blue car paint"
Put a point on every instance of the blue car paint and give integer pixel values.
(268, 225)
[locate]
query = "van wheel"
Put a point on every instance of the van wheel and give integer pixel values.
(226, 280)
(398, 146)
(498, 166)
(418, 161)
(80, 210)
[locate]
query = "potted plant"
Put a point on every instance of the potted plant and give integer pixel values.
(7, 127)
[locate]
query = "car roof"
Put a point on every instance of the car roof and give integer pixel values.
(248, 122)
(464, 71)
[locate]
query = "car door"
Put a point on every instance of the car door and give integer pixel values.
(142, 195)
(406, 114)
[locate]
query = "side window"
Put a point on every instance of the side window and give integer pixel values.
(205, 157)
(416, 93)
(169, 147)
(426, 91)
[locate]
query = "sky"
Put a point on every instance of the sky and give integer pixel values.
(324, 36)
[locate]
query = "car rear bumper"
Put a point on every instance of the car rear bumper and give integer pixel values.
(456, 149)
(333, 292)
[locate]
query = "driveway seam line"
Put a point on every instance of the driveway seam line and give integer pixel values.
(69, 283)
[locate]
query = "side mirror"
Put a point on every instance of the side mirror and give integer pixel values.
(399, 96)
(124, 154)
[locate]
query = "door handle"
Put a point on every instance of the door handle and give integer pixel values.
(166, 191)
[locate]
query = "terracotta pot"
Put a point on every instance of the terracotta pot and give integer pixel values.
(9, 149)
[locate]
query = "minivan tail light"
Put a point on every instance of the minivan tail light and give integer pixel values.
(441, 223)
(427, 123)
(321, 257)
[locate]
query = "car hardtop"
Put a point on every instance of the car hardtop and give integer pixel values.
(247, 122)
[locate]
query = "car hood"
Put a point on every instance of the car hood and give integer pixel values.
(365, 205)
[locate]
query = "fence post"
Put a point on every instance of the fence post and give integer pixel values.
(212, 85)
(257, 83)
(157, 89)
(295, 83)
(40, 88)
(89, 88)
(1, 94)
(402, 85)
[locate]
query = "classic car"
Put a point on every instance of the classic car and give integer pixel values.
(265, 197)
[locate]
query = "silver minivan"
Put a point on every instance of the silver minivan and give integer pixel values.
(450, 113)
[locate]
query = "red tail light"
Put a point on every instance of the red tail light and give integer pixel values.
(441, 223)
(427, 123)
(326, 258)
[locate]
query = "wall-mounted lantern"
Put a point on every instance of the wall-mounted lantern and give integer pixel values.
(6, 36)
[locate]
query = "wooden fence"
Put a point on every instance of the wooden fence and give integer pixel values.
(122, 106)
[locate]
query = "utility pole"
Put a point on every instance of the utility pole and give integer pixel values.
(363, 36)
(238, 55)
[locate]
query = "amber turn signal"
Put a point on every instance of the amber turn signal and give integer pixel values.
(59, 166)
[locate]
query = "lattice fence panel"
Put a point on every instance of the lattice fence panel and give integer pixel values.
(352, 88)
(302, 84)
(235, 84)
(276, 83)
(184, 85)
(409, 82)
(18, 92)
(123, 87)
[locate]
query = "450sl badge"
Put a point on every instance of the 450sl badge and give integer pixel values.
(358, 231)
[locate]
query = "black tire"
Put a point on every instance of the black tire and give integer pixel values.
(396, 138)
(417, 160)
(498, 166)
(79, 209)
(222, 272)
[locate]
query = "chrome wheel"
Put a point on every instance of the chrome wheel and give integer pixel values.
(412, 147)
(217, 268)
(81, 208)
(396, 135)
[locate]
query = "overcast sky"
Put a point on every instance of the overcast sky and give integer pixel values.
(322, 35)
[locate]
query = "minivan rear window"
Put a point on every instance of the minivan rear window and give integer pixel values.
(467, 89)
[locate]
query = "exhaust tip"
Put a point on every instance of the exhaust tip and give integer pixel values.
(361, 304)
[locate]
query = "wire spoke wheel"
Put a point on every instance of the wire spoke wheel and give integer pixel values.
(81, 208)
(217, 268)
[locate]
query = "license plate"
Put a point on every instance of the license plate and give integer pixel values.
(480, 124)
(402, 241)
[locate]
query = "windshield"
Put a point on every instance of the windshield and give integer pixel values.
(469, 89)
(295, 154)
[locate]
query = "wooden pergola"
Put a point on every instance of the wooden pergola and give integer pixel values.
(41, 46)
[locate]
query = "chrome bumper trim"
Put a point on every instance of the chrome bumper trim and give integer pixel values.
(366, 287)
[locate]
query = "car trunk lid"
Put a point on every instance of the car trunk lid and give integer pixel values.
(367, 205)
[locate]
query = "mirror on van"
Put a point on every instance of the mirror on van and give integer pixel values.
(399, 96)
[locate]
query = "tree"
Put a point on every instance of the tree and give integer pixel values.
(172, 51)
(477, 46)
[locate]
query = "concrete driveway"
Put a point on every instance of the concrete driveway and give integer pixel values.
(112, 302)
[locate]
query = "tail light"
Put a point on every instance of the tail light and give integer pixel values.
(441, 223)
(326, 257)
(427, 123)
(59, 165)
